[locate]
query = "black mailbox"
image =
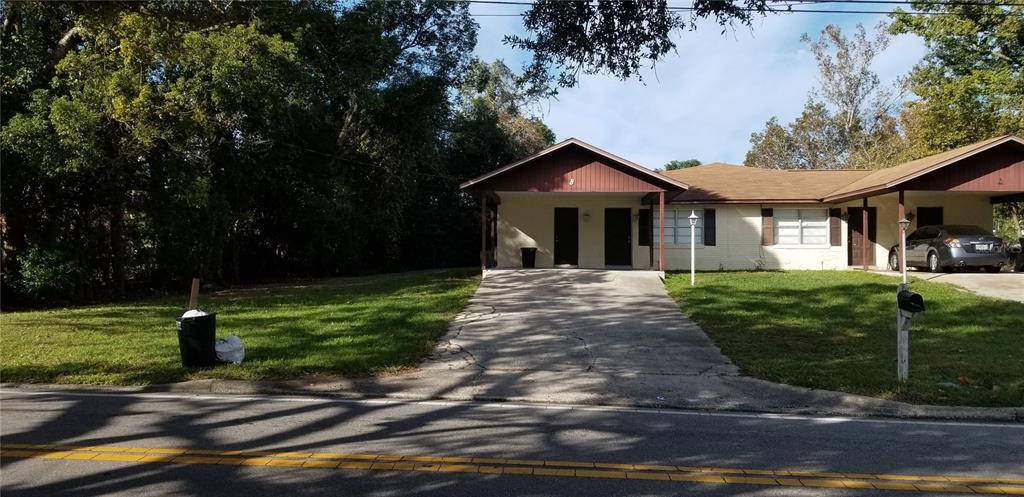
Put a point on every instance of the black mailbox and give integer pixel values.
(909, 301)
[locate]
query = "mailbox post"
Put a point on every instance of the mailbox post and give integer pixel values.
(908, 304)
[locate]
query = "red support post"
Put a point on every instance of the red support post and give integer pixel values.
(483, 233)
(661, 231)
(864, 235)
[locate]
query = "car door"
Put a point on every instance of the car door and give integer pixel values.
(911, 247)
(916, 246)
(923, 239)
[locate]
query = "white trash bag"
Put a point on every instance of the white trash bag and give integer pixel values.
(230, 350)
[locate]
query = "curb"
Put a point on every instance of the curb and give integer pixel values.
(241, 388)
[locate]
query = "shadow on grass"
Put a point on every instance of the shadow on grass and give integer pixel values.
(379, 323)
(836, 330)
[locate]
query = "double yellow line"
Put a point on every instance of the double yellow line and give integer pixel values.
(532, 467)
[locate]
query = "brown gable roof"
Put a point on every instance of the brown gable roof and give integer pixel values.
(730, 183)
(884, 179)
(635, 169)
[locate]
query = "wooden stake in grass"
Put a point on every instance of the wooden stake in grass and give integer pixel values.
(193, 298)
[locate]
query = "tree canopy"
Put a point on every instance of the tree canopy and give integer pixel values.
(970, 84)
(848, 121)
(147, 142)
(616, 37)
(672, 165)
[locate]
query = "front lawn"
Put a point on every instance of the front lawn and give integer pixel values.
(351, 326)
(836, 330)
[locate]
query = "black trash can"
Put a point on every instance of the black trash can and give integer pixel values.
(529, 255)
(196, 338)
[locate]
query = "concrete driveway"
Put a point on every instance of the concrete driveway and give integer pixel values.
(577, 336)
(575, 321)
(1009, 286)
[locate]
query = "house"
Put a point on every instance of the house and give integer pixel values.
(580, 206)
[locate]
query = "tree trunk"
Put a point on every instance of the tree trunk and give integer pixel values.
(117, 248)
(1015, 210)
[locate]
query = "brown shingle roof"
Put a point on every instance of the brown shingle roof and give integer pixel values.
(739, 184)
(887, 178)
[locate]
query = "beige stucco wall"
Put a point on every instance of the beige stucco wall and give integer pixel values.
(527, 220)
(738, 245)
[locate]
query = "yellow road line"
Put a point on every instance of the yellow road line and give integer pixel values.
(533, 467)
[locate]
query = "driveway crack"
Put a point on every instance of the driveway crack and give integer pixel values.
(453, 349)
(590, 354)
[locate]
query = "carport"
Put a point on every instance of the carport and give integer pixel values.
(576, 206)
(955, 187)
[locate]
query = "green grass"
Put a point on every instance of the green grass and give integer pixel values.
(350, 326)
(836, 330)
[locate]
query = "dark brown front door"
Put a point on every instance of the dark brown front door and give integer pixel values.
(567, 236)
(855, 251)
(618, 227)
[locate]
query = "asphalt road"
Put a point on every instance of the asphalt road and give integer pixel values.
(562, 450)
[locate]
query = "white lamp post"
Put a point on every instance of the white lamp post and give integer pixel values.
(902, 317)
(904, 223)
(693, 253)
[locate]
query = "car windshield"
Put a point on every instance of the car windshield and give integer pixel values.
(964, 230)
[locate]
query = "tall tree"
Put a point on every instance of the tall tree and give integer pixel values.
(177, 137)
(970, 84)
(848, 120)
(812, 141)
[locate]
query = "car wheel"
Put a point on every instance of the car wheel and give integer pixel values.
(894, 261)
(992, 269)
(933, 263)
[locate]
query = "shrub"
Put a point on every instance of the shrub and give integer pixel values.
(47, 274)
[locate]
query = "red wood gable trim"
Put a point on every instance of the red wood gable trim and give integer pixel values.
(571, 169)
(996, 170)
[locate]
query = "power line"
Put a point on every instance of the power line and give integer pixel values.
(888, 2)
(943, 3)
(783, 9)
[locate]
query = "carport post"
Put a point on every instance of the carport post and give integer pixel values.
(864, 234)
(661, 230)
(483, 233)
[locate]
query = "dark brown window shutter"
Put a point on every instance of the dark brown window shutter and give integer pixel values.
(709, 227)
(835, 227)
(767, 227)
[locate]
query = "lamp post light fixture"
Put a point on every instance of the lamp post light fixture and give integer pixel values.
(904, 224)
(693, 253)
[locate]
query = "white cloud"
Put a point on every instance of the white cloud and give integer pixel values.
(704, 101)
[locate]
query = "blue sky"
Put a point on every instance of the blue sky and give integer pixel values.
(702, 102)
